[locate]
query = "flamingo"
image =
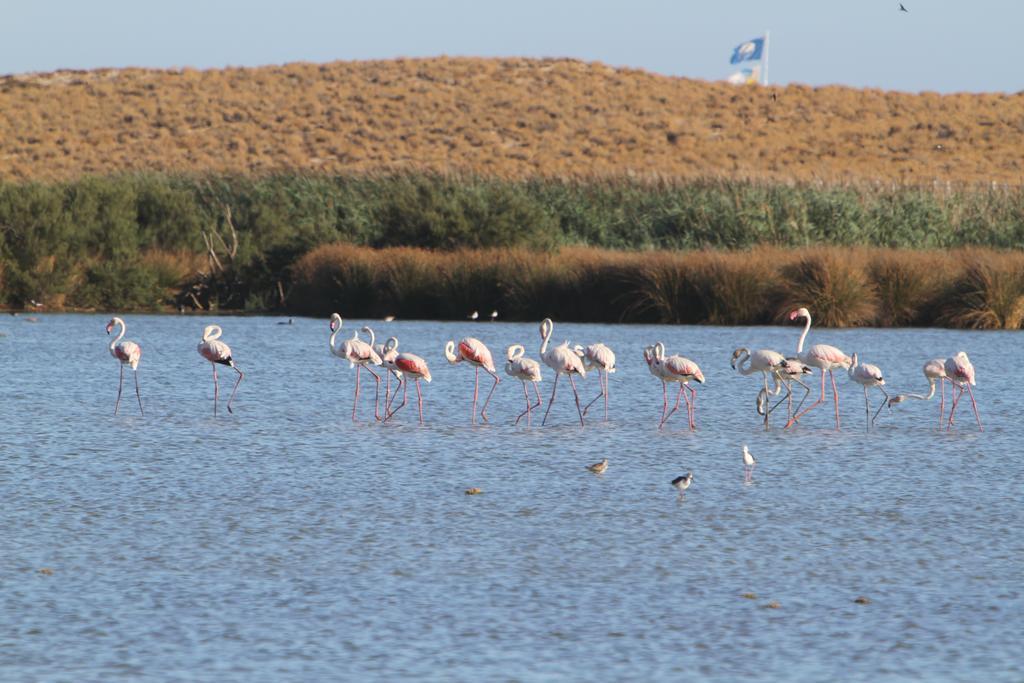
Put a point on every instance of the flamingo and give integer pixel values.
(934, 371)
(563, 361)
(409, 366)
(525, 370)
(676, 369)
(868, 376)
(790, 371)
(600, 357)
(960, 372)
(359, 354)
(476, 353)
(218, 353)
(127, 353)
(383, 351)
(764, 361)
(823, 357)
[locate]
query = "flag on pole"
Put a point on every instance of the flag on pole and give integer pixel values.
(748, 51)
(750, 75)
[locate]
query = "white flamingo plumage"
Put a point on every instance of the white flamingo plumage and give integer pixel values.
(127, 353)
(764, 361)
(218, 353)
(473, 351)
(791, 370)
(822, 356)
(675, 368)
(359, 354)
(601, 358)
(563, 361)
(408, 366)
(525, 370)
(960, 372)
(868, 376)
(935, 372)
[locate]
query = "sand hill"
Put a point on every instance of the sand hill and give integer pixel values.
(511, 117)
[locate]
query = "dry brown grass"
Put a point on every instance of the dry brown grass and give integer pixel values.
(507, 117)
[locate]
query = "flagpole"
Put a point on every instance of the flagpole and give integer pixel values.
(764, 64)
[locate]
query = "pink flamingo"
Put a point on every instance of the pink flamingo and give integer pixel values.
(408, 366)
(127, 353)
(934, 371)
(218, 353)
(868, 376)
(476, 353)
(563, 361)
(676, 369)
(764, 361)
(821, 356)
(600, 357)
(961, 373)
(358, 354)
(525, 370)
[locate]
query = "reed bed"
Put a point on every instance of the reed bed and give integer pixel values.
(969, 288)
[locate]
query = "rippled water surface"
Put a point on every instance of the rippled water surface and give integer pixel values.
(285, 543)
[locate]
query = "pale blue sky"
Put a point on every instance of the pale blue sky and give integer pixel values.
(942, 45)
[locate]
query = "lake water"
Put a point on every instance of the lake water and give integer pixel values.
(285, 543)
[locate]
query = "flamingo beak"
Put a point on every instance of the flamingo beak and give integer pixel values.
(334, 326)
(109, 328)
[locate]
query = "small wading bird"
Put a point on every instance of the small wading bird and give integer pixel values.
(765, 361)
(675, 368)
(961, 373)
(599, 467)
(127, 353)
(748, 464)
(822, 356)
(476, 353)
(682, 483)
(494, 316)
(868, 376)
(525, 370)
(601, 358)
(360, 355)
(410, 366)
(218, 353)
(790, 371)
(474, 315)
(934, 371)
(563, 361)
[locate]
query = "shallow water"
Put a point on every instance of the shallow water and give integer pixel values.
(285, 543)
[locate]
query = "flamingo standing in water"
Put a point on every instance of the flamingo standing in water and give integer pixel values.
(476, 353)
(675, 368)
(961, 373)
(563, 361)
(821, 356)
(934, 371)
(218, 353)
(525, 370)
(868, 376)
(127, 353)
(600, 357)
(408, 366)
(359, 354)
(764, 361)
(384, 352)
(790, 371)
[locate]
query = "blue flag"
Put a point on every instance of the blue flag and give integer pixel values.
(748, 51)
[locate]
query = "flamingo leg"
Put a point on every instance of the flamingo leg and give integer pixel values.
(676, 407)
(483, 411)
(602, 379)
(692, 405)
(664, 402)
(419, 398)
(867, 413)
(955, 400)
(942, 400)
(807, 392)
(241, 376)
(536, 390)
(835, 396)
(766, 394)
(137, 394)
(120, 383)
(216, 392)
(389, 403)
(975, 406)
(884, 404)
(387, 392)
(404, 383)
(355, 399)
(551, 401)
(576, 394)
(376, 399)
(476, 389)
(821, 399)
(526, 412)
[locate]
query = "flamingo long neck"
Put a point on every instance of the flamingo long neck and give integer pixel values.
(213, 332)
(745, 359)
(334, 335)
(124, 328)
(777, 389)
(800, 344)
(549, 329)
(853, 366)
(372, 336)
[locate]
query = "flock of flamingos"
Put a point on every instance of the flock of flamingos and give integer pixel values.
(775, 368)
